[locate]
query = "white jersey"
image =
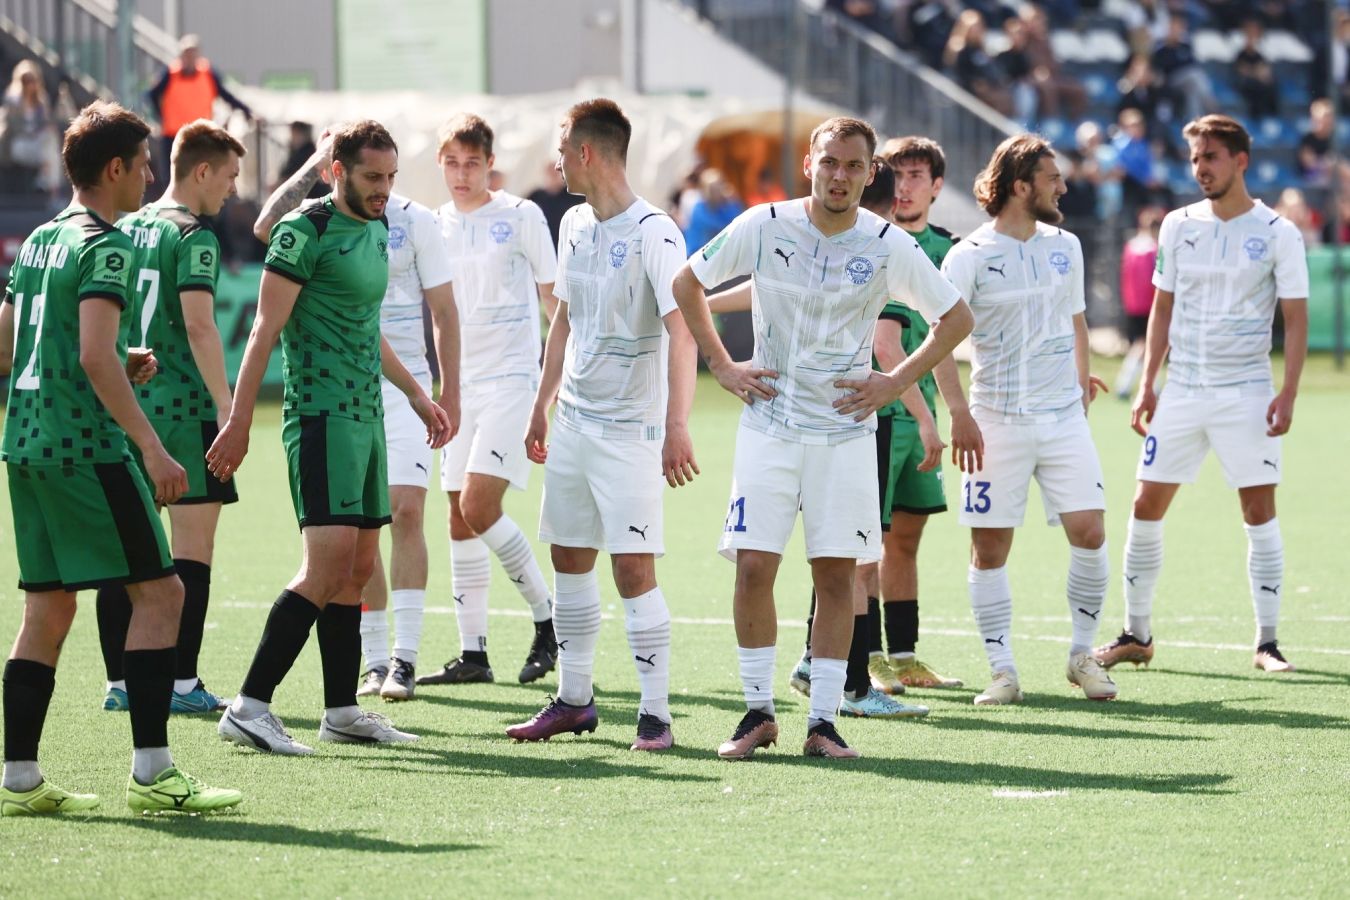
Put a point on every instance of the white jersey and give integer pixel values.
(1024, 295)
(500, 252)
(1225, 278)
(417, 260)
(815, 304)
(615, 278)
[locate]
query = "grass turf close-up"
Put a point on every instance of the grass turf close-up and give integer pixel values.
(1205, 777)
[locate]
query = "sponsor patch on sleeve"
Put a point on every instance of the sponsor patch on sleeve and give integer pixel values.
(112, 267)
(286, 245)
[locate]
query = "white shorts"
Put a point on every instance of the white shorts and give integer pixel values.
(491, 439)
(1061, 457)
(834, 486)
(1187, 424)
(406, 437)
(602, 493)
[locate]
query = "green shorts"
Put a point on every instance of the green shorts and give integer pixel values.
(78, 527)
(338, 469)
(911, 491)
(187, 442)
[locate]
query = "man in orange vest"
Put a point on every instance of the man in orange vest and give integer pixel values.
(187, 91)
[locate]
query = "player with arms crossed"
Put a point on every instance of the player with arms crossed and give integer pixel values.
(1222, 265)
(174, 273)
(1030, 390)
(822, 270)
(325, 275)
(419, 269)
(504, 263)
(84, 515)
(621, 364)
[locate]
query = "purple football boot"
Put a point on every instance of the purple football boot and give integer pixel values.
(556, 718)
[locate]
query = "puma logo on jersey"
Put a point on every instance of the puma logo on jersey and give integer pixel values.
(1271, 590)
(1090, 615)
(640, 532)
(998, 640)
(998, 270)
(670, 241)
(1190, 242)
(863, 536)
(787, 257)
(420, 466)
(573, 244)
(1266, 462)
(501, 457)
(649, 660)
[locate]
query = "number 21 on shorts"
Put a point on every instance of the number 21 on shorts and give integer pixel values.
(736, 516)
(977, 500)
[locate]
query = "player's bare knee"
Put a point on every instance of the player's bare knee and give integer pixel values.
(634, 573)
(755, 571)
(407, 517)
(1258, 506)
(572, 560)
(480, 513)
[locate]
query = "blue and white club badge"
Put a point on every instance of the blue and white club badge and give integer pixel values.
(1255, 248)
(618, 253)
(1059, 261)
(859, 269)
(501, 231)
(398, 236)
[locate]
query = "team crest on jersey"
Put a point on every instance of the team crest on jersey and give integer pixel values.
(1059, 261)
(618, 253)
(1255, 248)
(859, 269)
(398, 236)
(501, 232)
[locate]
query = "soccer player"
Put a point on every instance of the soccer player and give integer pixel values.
(621, 365)
(822, 270)
(1030, 390)
(1222, 265)
(84, 514)
(504, 263)
(174, 276)
(325, 275)
(419, 269)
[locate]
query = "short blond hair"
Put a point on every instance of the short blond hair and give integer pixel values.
(202, 141)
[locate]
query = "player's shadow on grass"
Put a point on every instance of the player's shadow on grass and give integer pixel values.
(996, 722)
(1226, 712)
(600, 764)
(1299, 677)
(234, 827)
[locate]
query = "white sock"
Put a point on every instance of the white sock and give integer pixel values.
(120, 685)
(148, 762)
(407, 605)
(576, 624)
(757, 665)
(901, 655)
(342, 716)
(470, 572)
(647, 621)
(375, 638)
(184, 686)
(1089, 570)
(1143, 565)
(991, 602)
(21, 775)
(1265, 573)
(508, 543)
(827, 689)
(247, 708)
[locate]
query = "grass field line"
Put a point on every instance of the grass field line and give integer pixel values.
(799, 624)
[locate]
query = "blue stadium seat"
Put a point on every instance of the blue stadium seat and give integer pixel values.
(1057, 131)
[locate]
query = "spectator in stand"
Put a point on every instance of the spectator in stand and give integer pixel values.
(768, 189)
(1059, 93)
(685, 197)
(1145, 24)
(1181, 71)
(1079, 203)
(971, 66)
(716, 207)
(1136, 294)
(553, 199)
(300, 148)
(1140, 89)
(1329, 230)
(1332, 57)
(1101, 166)
(868, 13)
(1137, 161)
(1314, 148)
(186, 90)
(1255, 75)
(1016, 66)
(928, 24)
(29, 143)
(1294, 207)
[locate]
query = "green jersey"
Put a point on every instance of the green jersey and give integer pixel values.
(175, 252)
(54, 418)
(935, 242)
(331, 344)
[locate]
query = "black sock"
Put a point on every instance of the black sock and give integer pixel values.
(283, 638)
(340, 650)
(856, 680)
(27, 692)
(810, 623)
(196, 578)
(113, 608)
(544, 629)
(873, 625)
(149, 686)
(477, 657)
(902, 625)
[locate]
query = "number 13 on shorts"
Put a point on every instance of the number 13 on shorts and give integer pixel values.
(976, 496)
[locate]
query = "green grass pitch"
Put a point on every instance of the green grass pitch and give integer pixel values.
(1205, 777)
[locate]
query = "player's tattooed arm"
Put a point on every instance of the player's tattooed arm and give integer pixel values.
(742, 379)
(1280, 413)
(550, 379)
(1155, 350)
(294, 189)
